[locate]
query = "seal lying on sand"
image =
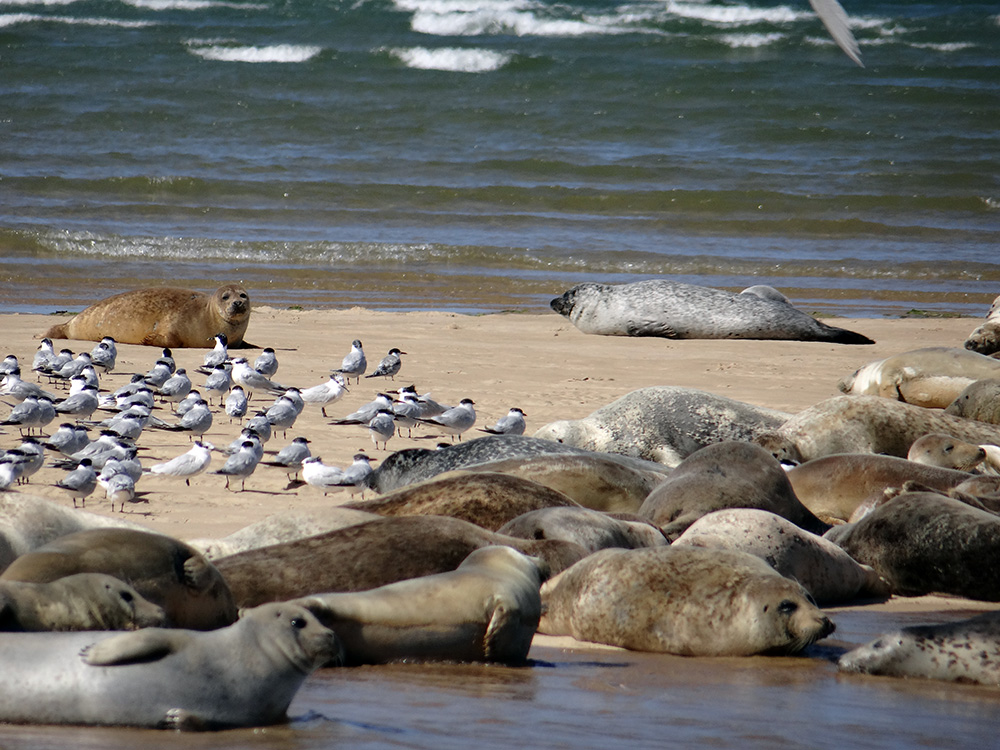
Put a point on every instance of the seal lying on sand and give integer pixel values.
(964, 651)
(664, 424)
(936, 449)
(242, 675)
(686, 600)
(590, 529)
(487, 609)
(164, 317)
(932, 377)
(986, 338)
(669, 309)
(979, 401)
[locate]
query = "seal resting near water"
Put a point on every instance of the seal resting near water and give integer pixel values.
(963, 651)
(986, 338)
(164, 317)
(670, 309)
(487, 609)
(242, 675)
(686, 601)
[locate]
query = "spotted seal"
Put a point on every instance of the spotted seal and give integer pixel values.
(590, 529)
(163, 317)
(937, 449)
(670, 309)
(979, 400)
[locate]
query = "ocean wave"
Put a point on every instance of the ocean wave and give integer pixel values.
(276, 53)
(164, 5)
(736, 15)
(516, 17)
(752, 41)
(14, 19)
(452, 59)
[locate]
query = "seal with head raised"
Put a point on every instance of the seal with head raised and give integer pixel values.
(687, 601)
(670, 309)
(487, 609)
(166, 571)
(164, 317)
(239, 676)
(964, 651)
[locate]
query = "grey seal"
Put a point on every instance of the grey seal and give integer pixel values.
(85, 601)
(725, 475)
(591, 529)
(665, 424)
(823, 568)
(372, 554)
(933, 376)
(979, 400)
(670, 309)
(866, 424)
(985, 339)
(923, 543)
(685, 600)
(937, 449)
(487, 609)
(238, 676)
(166, 571)
(963, 651)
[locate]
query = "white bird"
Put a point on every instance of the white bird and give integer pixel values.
(455, 420)
(105, 354)
(389, 365)
(26, 416)
(9, 364)
(197, 421)
(354, 363)
(68, 439)
(325, 393)
(176, 387)
(218, 382)
(81, 404)
(43, 355)
(834, 17)
(260, 424)
(365, 414)
(80, 482)
(291, 456)
(128, 465)
(267, 363)
(382, 427)
(187, 465)
(158, 373)
(251, 380)
(407, 411)
(241, 464)
(118, 488)
(281, 415)
(18, 389)
(428, 406)
(510, 424)
(317, 474)
(236, 403)
(220, 354)
(356, 476)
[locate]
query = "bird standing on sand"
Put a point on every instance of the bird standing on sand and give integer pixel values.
(241, 464)
(382, 427)
(325, 393)
(355, 363)
(389, 365)
(267, 363)
(80, 482)
(510, 424)
(187, 465)
(455, 420)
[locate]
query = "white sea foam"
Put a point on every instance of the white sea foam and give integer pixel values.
(517, 17)
(276, 53)
(12, 19)
(452, 58)
(736, 15)
(737, 41)
(162, 5)
(945, 47)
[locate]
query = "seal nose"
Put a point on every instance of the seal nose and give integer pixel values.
(827, 625)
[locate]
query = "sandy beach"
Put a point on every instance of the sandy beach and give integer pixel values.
(542, 364)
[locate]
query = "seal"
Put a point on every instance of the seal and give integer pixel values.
(670, 309)
(866, 424)
(963, 651)
(931, 377)
(166, 571)
(239, 676)
(664, 424)
(591, 480)
(938, 449)
(85, 601)
(372, 554)
(924, 543)
(725, 475)
(591, 529)
(823, 568)
(979, 400)
(833, 487)
(486, 499)
(415, 464)
(164, 317)
(985, 339)
(687, 601)
(487, 609)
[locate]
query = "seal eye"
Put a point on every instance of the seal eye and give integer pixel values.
(787, 607)
(298, 622)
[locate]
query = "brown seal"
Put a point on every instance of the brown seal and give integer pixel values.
(164, 317)
(371, 554)
(164, 570)
(487, 609)
(685, 600)
(986, 338)
(979, 401)
(938, 449)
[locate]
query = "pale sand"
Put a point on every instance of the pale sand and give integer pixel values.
(540, 363)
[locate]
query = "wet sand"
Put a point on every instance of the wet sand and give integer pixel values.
(573, 695)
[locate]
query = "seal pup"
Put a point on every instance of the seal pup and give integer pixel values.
(670, 309)
(979, 400)
(372, 554)
(85, 601)
(487, 609)
(243, 675)
(823, 568)
(932, 377)
(985, 339)
(963, 651)
(665, 424)
(937, 449)
(485, 499)
(687, 601)
(163, 317)
(166, 571)
(591, 529)
(924, 543)
(866, 424)
(725, 475)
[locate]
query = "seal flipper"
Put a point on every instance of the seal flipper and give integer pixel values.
(198, 573)
(148, 645)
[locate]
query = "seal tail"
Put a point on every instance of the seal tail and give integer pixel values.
(58, 331)
(843, 336)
